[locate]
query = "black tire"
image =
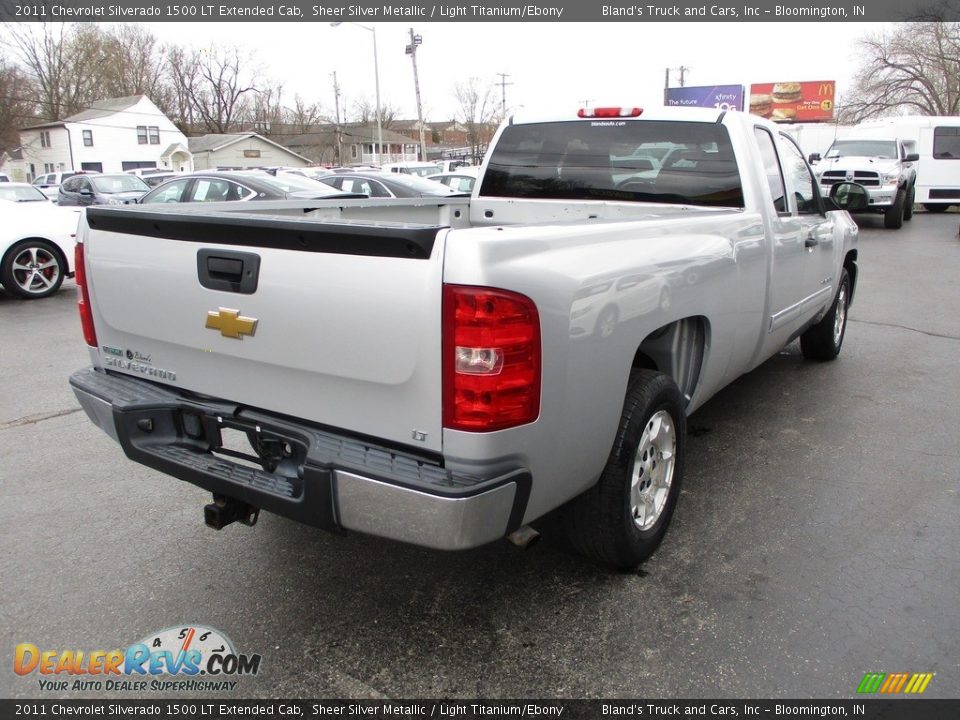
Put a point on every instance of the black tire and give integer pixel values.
(908, 204)
(605, 523)
(935, 207)
(893, 215)
(824, 340)
(33, 269)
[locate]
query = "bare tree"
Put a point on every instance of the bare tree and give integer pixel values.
(136, 65)
(477, 110)
(366, 112)
(303, 116)
(17, 107)
(914, 68)
(212, 92)
(269, 115)
(64, 62)
(183, 79)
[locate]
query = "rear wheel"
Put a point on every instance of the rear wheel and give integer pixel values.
(623, 518)
(824, 340)
(33, 269)
(935, 207)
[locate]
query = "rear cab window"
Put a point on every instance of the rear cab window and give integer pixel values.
(681, 163)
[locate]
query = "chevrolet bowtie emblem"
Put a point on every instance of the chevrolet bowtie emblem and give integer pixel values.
(231, 323)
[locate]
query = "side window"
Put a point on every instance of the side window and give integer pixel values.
(84, 184)
(375, 189)
(70, 185)
(771, 166)
(804, 187)
(206, 190)
(171, 192)
(946, 143)
(236, 192)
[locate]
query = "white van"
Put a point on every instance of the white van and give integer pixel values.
(413, 168)
(938, 144)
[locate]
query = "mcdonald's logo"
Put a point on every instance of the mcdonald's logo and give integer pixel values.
(894, 683)
(826, 89)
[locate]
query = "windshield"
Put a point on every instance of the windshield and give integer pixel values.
(863, 148)
(616, 160)
(21, 193)
(110, 184)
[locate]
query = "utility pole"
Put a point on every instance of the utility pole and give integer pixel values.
(503, 92)
(338, 158)
(683, 69)
(415, 42)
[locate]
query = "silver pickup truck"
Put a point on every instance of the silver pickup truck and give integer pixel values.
(446, 371)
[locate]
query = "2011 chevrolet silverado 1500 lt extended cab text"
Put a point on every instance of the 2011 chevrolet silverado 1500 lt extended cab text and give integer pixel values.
(445, 371)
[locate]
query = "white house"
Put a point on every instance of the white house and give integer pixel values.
(114, 135)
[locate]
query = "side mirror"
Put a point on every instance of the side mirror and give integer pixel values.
(912, 157)
(813, 158)
(86, 192)
(849, 196)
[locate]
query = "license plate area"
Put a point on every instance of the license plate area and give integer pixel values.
(248, 444)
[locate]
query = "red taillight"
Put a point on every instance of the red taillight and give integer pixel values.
(609, 112)
(491, 359)
(83, 301)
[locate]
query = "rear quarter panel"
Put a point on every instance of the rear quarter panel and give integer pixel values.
(652, 272)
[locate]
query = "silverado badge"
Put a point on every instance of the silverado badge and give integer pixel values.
(231, 323)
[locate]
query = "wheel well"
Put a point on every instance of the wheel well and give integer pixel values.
(677, 350)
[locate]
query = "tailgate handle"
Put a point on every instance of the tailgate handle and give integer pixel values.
(228, 270)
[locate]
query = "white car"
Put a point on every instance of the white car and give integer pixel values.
(37, 240)
(413, 168)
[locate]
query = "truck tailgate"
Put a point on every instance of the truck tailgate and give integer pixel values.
(333, 322)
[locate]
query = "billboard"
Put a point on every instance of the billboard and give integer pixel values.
(794, 101)
(721, 97)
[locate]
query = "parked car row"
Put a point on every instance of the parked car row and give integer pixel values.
(38, 235)
(240, 185)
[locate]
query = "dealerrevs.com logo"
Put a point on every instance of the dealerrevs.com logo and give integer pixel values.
(186, 658)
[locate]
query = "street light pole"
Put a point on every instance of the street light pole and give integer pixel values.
(376, 80)
(415, 41)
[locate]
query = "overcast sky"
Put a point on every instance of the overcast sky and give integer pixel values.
(549, 64)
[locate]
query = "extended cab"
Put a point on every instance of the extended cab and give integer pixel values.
(886, 167)
(445, 371)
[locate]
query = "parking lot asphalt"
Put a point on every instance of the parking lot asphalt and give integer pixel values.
(817, 538)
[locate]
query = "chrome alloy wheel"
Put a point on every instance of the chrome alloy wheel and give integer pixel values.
(652, 471)
(35, 270)
(840, 316)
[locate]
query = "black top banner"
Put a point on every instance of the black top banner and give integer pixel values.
(474, 11)
(215, 709)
